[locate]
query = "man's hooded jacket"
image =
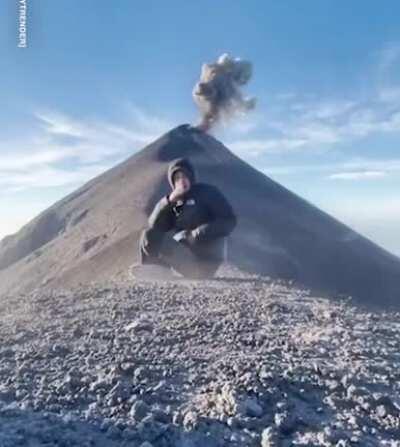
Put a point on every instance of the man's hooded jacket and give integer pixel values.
(203, 209)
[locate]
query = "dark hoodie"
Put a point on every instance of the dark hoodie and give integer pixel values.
(203, 209)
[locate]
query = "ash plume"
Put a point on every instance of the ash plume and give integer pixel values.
(218, 92)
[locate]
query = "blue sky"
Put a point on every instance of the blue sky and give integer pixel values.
(99, 80)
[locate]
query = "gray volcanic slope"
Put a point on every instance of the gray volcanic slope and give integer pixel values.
(240, 361)
(93, 233)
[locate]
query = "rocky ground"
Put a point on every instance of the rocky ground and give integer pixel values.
(236, 361)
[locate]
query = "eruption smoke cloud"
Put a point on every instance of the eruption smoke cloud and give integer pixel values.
(218, 92)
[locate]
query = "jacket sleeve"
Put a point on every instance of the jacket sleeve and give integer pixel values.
(162, 216)
(223, 217)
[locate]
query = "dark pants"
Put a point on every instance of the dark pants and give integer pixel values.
(157, 247)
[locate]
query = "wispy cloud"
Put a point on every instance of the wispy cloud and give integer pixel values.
(94, 139)
(360, 165)
(308, 126)
(22, 161)
(65, 150)
(47, 176)
(301, 123)
(257, 147)
(357, 175)
(58, 124)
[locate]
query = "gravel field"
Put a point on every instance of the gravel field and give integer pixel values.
(235, 361)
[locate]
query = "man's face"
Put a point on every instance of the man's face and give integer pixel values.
(182, 180)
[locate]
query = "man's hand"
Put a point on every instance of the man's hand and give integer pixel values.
(176, 194)
(190, 238)
(186, 237)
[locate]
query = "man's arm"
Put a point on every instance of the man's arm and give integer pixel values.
(162, 216)
(223, 217)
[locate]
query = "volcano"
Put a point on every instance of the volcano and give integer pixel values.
(92, 234)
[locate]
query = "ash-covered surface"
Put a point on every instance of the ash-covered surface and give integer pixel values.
(239, 361)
